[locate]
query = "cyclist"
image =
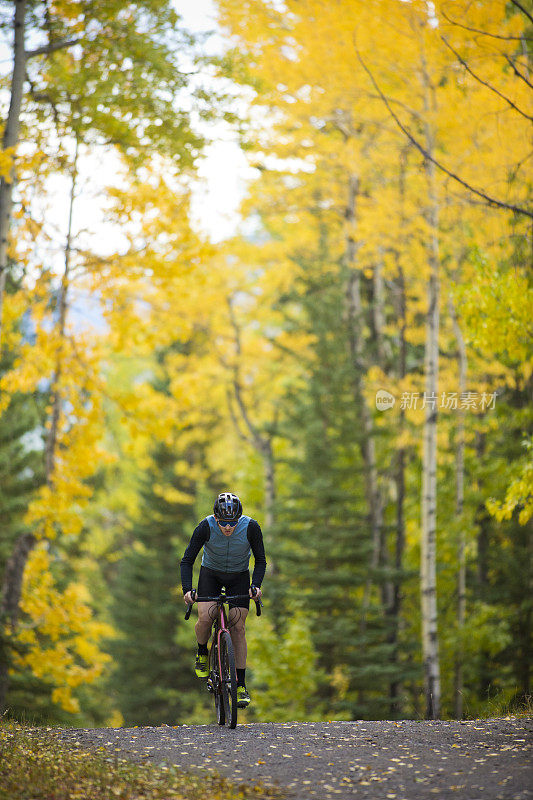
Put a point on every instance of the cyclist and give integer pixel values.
(228, 537)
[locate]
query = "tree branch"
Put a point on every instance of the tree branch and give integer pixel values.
(51, 47)
(235, 421)
(259, 441)
(517, 71)
(483, 33)
(42, 96)
(484, 83)
(523, 10)
(288, 351)
(491, 201)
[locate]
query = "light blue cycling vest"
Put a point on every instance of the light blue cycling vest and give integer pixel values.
(227, 553)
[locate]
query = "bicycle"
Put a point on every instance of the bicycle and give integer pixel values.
(222, 680)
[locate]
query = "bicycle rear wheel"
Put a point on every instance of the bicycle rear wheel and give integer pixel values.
(228, 679)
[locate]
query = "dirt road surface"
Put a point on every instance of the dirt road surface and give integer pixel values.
(407, 760)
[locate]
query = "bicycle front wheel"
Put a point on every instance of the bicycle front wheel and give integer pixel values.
(216, 683)
(228, 679)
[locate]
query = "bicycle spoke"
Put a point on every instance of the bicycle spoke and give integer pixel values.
(229, 680)
(214, 671)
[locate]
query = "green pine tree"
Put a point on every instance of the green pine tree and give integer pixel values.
(328, 555)
(21, 473)
(154, 682)
(502, 574)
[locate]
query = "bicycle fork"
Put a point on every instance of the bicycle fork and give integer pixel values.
(211, 687)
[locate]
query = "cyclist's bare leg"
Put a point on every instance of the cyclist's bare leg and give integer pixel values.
(237, 623)
(205, 621)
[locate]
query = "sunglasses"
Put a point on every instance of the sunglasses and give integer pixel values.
(231, 522)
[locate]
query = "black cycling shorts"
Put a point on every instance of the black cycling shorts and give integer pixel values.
(211, 582)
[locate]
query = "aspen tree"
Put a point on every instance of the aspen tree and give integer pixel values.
(58, 78)
(428, 567)
(12, 586)
(10, 139)
(459, 509)
(400, 303)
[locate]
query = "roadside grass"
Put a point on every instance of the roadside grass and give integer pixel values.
(521, 709)
(36, 765)
(504, 705)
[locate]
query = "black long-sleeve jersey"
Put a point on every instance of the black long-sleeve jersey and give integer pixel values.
(202, 534)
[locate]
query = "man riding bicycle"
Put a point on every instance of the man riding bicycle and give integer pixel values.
(228, 538)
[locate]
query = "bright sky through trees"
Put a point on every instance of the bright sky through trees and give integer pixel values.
(223, 170)
(222, 173)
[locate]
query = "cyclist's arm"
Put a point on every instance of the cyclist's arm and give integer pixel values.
(255, 538)
(198, 539)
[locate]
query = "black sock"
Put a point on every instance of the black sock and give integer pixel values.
(202, 649)
(241, 680)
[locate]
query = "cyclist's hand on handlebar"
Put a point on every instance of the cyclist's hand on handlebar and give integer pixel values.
(189, 597)
(255, 592)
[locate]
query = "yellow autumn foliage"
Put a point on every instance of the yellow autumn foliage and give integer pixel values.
(144, 295)
(519, 494)
(59, 636)
(7, 159)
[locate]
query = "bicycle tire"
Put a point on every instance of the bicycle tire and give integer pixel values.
(228, 679)
(216, 682)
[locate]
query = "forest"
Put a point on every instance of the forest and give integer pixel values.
(355, 360)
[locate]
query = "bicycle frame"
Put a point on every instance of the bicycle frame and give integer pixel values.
(220, 622)
(220, 627)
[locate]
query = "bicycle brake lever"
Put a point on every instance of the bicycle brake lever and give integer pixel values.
(189, 607)
(258, 602)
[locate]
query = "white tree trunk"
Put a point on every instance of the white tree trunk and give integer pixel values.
(401, 313)
(10, 139)
(459, 503)
(14, 570)
(428, 549)
(62, 302)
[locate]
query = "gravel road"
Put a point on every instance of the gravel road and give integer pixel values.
(407, 760)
